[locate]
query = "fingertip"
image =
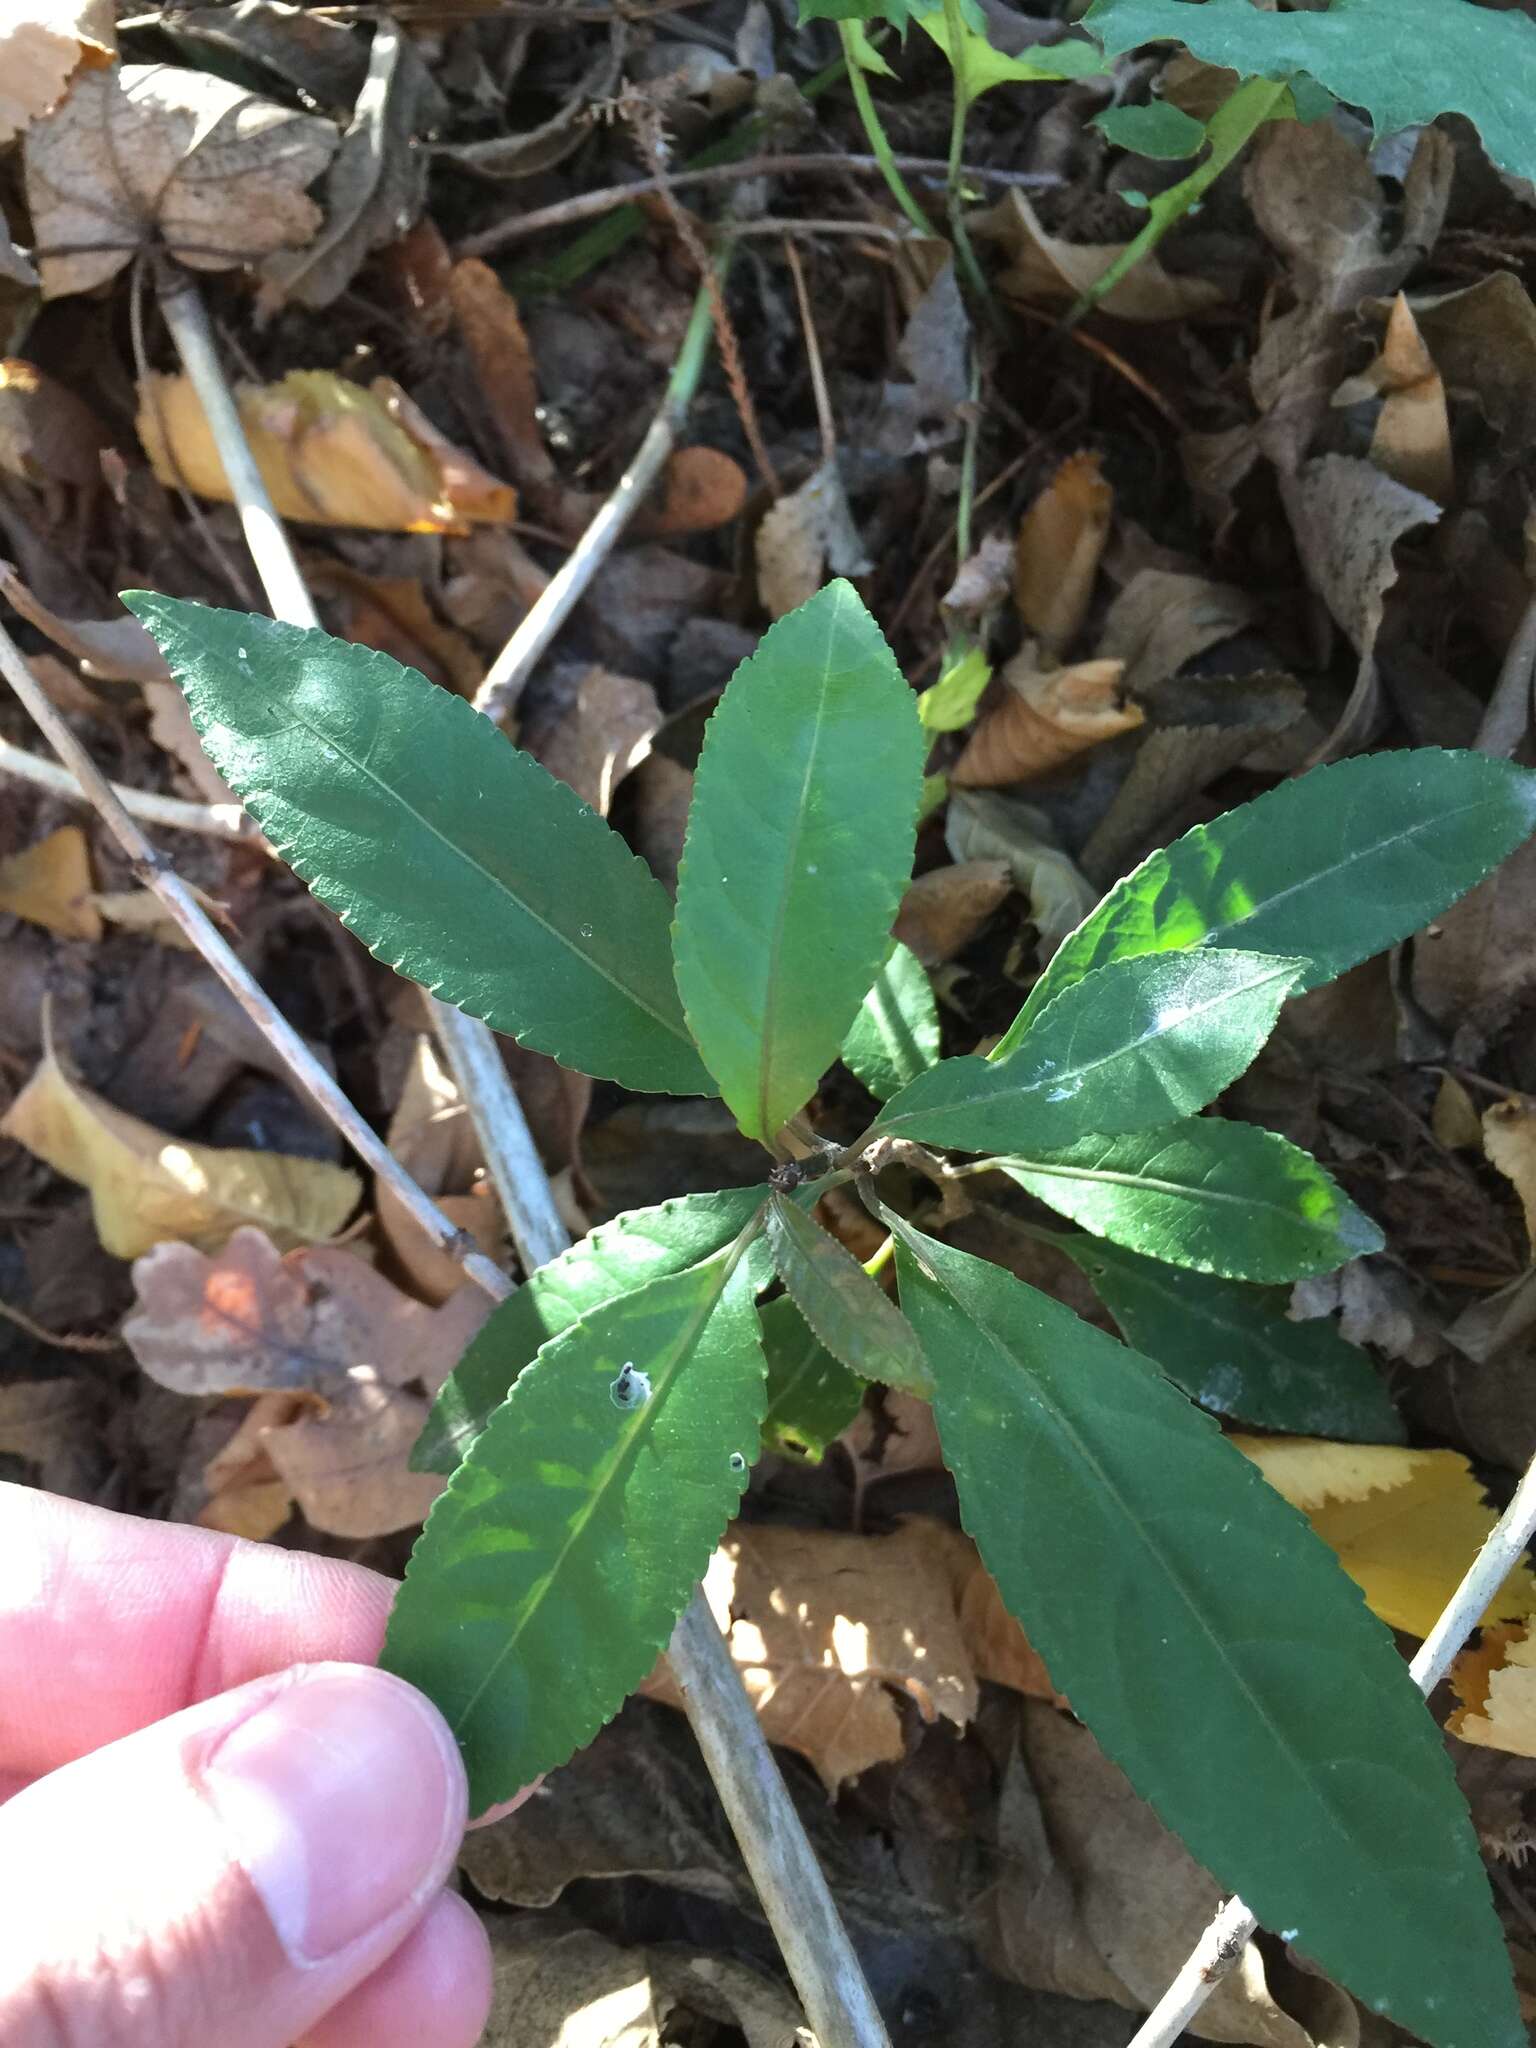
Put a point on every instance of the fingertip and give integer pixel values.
(436, 1988)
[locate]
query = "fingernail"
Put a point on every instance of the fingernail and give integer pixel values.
(344, 1797)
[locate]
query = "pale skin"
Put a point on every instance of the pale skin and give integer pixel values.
(217, 1821)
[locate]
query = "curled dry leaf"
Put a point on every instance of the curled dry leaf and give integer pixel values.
(1509, 1139)
(1496, 1684)
(1044, 270)
(808, 535)
(331, 454)
(392, 614)
(42, 44)
(433, 1137)
(1059, 547)
(145, 154)
(322, 1323)
(502, 361)
(147, 1186)
(1044, 720)
(1412, 441)
(984, 826)
(47, 434)
(702, 489)
(172, 730)
(1163, 619)
(945, 909)
(605, 732)
(50, 884)
(246, 1496)
(1406, 1524)
(113, 650)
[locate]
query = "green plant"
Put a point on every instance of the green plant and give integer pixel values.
(600, 1429)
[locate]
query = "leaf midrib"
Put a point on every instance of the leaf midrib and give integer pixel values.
(1114, 1177)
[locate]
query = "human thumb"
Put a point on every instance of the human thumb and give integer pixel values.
(230, 1873)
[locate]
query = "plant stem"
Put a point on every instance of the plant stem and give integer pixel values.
(959, 233)
(505, 678)
(822, 1964)
(874, 128)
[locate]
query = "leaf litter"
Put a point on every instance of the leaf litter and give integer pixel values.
(1267, 503)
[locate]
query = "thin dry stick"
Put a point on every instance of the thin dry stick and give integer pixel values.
(824, 419)
(823, 1967)
(183, 907)
(567, 212)
(58, 1338)
(1223, 1942)
(214, 821)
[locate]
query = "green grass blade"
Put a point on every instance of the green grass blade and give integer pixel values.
(452, 855)
(550, 1573)
(799, 845)
(1214, 1647)
(1331, 868)
(850, 1312)
(1219, 1197)
(1137, 1043)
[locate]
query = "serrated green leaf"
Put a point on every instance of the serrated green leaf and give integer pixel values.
(1403, 61)
(617, 1258)
(811, 1398)
(1214, 1647)
(1220, 1197)
(1333, 867)
(551, 1571)
(451, 854)
(850, 1312)
(1137, 1043)
(1233, 1348)
(799, 845)
(895, 1036)
(1159, 129)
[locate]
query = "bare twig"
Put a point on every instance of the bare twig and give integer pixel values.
(214, 821)
(505, 678)
(1223, 1942)
(824, 419)
(567, 212)
(60, 1339)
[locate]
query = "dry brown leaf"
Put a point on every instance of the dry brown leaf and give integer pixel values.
(1044, 720)
(702, 489)
(392, 614)
(322, 1323)
(113, 650)
(433, 1137)
(146, 154)
(503, 365)
(1477, 962)
(1059, 548)
(807, 533)
(51, 1424)
(41, 46)
(605, 732)
(821, 1625)
(50, 884)
(1509, 1139)
(47, 434)
(1045, 270)
(981, 825)
(998, 1648)
(1454, 1118)
(1483, 340)
(246, 1497)
(1162, 620)
(1496, 1684)
(945, 909)
(331, 453)
(146, 1186)
(141, 911)
(1412, 441)
(171, 728)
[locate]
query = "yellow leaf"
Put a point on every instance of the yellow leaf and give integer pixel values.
(1496, 1684)
(1509, 1139)
(147, 1187)
(140, 910)
(331, 453)
(1405, 1524)
(50, 884)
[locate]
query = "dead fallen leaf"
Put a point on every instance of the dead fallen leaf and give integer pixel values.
(1483, 341)
(331, 453)
(1405, 1523)
(1347, 516)
(392, 614)
(807, 533)
(50, 884)
(998, 1648)
(41, 46)
(1496, 1684)
(606, 731)
(146, 1186)
(1509, 1139)
(322, 1323)
(1162, 620)
(141, 911)
(377, 178)
(702, 489)
(503, 365)
(822, 1626)
(47, 435)
(1412, 440)
(1044, 720)
(935, 352)
(1059, 547)
(1454, 1118)
(433, 1137)
(171, 728)
(143, 154)
(945, 909)
(1042, 269)
(246, 1496)
(52, 1425)
(113, 650)
(980, 825)
(1477, 962)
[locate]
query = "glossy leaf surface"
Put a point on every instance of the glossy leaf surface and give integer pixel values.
(811, 1398)
(640, 1246)
(895, 1036)
(850, 1312)
(799, 845)
(551, 1571)
(1233, 1348)
(1331, 868)
(1140, 1042)
(452, 855)
(1214, 1647)
(1220, 1197)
